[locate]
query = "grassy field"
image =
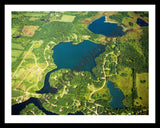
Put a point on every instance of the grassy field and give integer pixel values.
(124, 81)
(16, 53)
(14, 30)
(142, 89)
(63, 18)
(67, 18)
(35, 14)
(17, 46)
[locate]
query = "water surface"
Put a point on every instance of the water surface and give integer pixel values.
(108, 29)
(77, 57)
(117, 96)
(141, 22)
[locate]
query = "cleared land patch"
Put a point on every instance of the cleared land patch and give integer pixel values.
(16, 52)
(29, 30)
(17, 46)
(62, 18)
(34, 14)
(67, 18)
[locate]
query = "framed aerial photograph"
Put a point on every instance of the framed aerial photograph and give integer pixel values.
(80, 63)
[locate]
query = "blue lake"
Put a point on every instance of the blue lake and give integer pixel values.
(105, 28)
(77, 57)
(117, 96)
(141, 22)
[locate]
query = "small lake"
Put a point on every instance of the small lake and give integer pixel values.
(117, 96)
(141, 22)
(108, 29)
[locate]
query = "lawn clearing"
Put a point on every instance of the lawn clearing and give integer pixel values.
(17, 46)
(67, 18)
(16, 53)
(35, 14)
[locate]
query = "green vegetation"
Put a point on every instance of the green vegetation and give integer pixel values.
(143, 14)
(124, 62)
(119, 16)
(130, 57)
(31, 109)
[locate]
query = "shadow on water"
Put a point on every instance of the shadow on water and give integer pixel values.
(46, 88)
(18, 107)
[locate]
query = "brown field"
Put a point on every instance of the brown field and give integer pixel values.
(29, 30)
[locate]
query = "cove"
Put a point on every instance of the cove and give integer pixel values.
(117, 96)
(99, 26)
